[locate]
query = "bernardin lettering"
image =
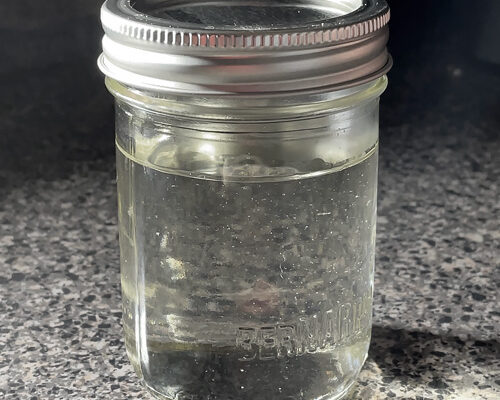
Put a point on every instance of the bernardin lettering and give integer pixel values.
(308, 335)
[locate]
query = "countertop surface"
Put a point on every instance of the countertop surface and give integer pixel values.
(436, 312)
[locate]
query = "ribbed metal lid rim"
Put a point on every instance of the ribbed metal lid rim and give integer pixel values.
(143, 51)
(120, 17)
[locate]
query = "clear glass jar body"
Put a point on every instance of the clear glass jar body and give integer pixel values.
(247, 236)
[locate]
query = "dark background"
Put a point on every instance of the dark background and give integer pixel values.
(56, 115)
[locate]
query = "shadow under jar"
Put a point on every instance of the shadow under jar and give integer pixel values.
(247, 138)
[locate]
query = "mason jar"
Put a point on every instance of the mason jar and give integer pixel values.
(247, 139)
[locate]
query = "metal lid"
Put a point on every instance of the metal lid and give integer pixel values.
(244, 46)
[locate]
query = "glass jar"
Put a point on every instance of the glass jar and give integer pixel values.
(247, 199)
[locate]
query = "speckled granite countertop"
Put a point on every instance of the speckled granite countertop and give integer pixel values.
(437, 316)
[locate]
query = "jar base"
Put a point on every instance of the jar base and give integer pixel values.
(344, 394)
(198, 375)
(339, 396)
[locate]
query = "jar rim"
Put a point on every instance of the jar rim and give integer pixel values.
(245, 108)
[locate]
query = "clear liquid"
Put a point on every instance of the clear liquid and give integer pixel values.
(239, 290)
